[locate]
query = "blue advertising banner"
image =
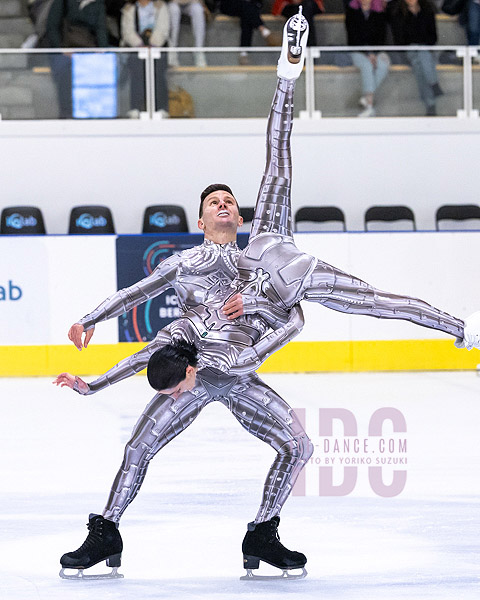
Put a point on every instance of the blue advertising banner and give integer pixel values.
(137, 257)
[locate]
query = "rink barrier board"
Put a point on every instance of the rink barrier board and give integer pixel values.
(297, 357)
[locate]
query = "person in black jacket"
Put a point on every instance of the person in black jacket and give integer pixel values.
(366, 25)
(250, 19)
(413, 23)
(73, 24)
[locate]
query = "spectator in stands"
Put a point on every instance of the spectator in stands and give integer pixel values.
(146, 23)
(195, 9)
(470, 19)
(73, 24)
(250, 19)
(113, 9)
(77, 24)
(288, 8)
(38, 12)
(366, 25)
(413, 23)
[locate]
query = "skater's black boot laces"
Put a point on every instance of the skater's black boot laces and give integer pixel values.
(95, 535)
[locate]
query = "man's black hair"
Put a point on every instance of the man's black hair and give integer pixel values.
(213, 187)
(167, 366)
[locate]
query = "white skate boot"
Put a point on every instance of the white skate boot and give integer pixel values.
(471, 333)
(292, 57)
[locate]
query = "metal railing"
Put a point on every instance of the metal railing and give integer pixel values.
(38, 84)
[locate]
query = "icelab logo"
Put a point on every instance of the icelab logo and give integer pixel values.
(10, 291)
(17, 221)
(160, 219)
(88, 221)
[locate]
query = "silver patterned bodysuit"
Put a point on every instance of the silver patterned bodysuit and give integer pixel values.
(273, 267)
(273, 275)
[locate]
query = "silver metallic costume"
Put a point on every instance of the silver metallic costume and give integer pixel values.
(274, 267)
(273, 276)
(203, 275)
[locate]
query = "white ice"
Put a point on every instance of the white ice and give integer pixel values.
(183, 533)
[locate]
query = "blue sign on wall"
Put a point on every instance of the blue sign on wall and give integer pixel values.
(94, 85)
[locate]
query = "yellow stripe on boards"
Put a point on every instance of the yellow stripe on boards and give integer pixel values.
(296, 357)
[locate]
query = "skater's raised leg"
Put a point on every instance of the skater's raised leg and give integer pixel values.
(273, 213)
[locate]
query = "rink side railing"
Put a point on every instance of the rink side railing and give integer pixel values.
(327, 88)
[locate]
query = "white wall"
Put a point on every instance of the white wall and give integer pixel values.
(49, 282)
(127, 165)
(62, 278)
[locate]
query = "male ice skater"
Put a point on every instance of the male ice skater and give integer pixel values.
(199, 276)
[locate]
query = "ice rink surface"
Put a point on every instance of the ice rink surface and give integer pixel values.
(183, 533)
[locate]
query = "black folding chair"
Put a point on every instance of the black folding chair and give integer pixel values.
(91, 220)
(165, 218)
(458, 216)
(247, 213)
(320, 218)
(389, 218)
(22, 220)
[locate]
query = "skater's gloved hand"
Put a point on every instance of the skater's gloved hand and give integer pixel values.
(233, 308)
(71, 381)
(75, 335)
(471, 333)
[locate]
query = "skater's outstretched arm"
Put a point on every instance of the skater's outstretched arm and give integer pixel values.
(340, 291)
(125, 368)
(124, 300)
(139, 361)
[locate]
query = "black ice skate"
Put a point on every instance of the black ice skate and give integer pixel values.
(292, 57)
(262, 542)
(103, 543)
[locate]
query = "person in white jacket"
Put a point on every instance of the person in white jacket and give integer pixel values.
(195, 10)
(146, 23)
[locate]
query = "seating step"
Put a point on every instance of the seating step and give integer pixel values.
(13, 61)
(19, 113)
(246, 91)
(20, 25)
(11, 8)
(11, 40)
(15, 95)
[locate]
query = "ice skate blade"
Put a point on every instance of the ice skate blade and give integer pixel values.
(114, 574)
(250, 576)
